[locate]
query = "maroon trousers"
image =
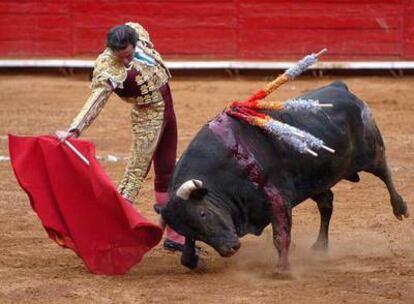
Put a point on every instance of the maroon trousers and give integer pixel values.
(165, 155)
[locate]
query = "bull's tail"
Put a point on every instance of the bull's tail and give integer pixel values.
(372, 135)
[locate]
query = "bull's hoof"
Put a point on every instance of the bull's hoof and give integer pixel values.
(401, 210)
(283, 265)
(280, 274)
(190, 261)
(320, 246)
(400, 217)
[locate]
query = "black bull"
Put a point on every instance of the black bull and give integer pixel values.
(235, 179)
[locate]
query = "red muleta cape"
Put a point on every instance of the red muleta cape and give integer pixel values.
(78, 205)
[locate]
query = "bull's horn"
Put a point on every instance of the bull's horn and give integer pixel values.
(189, 186)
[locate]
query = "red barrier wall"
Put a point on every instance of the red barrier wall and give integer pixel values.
(216, 29)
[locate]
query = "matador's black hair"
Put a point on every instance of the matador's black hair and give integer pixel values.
(119, 37)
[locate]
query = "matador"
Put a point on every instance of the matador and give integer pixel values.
(135, 71)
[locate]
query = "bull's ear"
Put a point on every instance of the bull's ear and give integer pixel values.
(187, 188)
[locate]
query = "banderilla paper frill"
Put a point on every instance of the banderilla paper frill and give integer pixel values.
(300, 140)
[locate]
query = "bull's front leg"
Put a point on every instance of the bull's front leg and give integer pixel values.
(189, 257)
(281, 218)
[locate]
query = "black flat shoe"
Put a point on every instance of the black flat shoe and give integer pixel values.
(157, 208)
(172, 246)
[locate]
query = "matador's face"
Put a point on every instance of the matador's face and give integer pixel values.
(125, 55)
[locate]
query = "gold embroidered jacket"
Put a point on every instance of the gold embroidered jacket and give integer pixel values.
(138, 83)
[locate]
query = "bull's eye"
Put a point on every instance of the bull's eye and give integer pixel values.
(202, 214)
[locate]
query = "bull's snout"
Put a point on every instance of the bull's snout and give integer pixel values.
(228, 251)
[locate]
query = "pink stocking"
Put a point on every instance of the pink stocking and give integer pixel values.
(162, 198)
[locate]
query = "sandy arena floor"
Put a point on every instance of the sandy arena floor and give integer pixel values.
(371, 257)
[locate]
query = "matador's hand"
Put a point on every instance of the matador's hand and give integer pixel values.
(63, 135)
